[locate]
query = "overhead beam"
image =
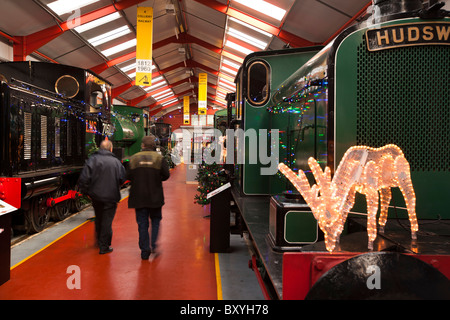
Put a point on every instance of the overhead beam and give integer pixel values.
(25, 45)
(105, 65)
(135, 101)
(285, 36)
(188, 63)
(183, 38)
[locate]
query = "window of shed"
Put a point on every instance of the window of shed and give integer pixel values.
(258, 83)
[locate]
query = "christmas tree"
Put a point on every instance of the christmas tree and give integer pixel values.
(209, 177)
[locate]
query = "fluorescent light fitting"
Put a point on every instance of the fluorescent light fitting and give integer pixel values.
(237, 47)
(246, 38)
(65, 6)
(120, 47)
(98, 22)
(110, 35)
(250, 26)
(264, 7)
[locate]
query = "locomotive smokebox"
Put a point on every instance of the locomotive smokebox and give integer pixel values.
(382, 9)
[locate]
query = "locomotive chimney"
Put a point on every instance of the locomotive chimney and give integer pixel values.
(382, 9)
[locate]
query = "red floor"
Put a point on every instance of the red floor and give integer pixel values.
(184, 270)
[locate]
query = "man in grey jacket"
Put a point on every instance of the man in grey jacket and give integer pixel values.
(100, 179)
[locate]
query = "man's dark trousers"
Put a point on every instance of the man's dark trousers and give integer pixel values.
(142, 217)
(104, 216)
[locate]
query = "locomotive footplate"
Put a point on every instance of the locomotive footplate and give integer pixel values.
(432, 237)
(292, 274)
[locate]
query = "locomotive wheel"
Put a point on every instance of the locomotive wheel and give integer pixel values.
(38, 215)
(61, 210)
(75, 205)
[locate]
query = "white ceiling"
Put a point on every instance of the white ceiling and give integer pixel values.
(198, 26)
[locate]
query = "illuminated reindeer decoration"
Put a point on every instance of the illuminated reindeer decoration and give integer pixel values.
(362, 169)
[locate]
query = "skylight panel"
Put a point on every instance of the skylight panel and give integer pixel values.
(232, 56)
(237, 47)
(220, 95)
(98, 22)
(226, 86)
(264, 7)
(156, 83)
(162, 97)
(247, 38)
(226, 77)
(230, 71)
(110, 35)
(222, 90)
(65, 6)
(232, 84)
(170, 102)
(162, 94)
(157, 79)
(120, 47)
(242, 23)
(129, 67)
(231, 64)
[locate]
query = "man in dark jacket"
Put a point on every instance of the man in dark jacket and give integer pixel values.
(100, 179)
(146, 172)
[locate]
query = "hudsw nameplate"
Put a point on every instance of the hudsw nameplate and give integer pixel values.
(431, 33)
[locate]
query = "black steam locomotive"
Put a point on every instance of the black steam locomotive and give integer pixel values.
(51, 117)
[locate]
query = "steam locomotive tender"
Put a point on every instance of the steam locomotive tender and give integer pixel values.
(51, 117)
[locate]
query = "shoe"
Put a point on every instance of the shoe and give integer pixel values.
(108, 250)
(153, 256)
(145, 255)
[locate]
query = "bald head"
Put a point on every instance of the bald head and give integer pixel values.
(106, 145)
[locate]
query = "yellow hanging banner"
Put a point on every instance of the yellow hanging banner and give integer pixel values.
(202, 92)
(186, 113)
(144, 36)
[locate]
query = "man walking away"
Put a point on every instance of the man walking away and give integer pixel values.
(146, 172)
(100, 179)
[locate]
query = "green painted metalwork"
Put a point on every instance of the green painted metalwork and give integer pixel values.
(129, 125)
(400, 96)
(258, 117)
